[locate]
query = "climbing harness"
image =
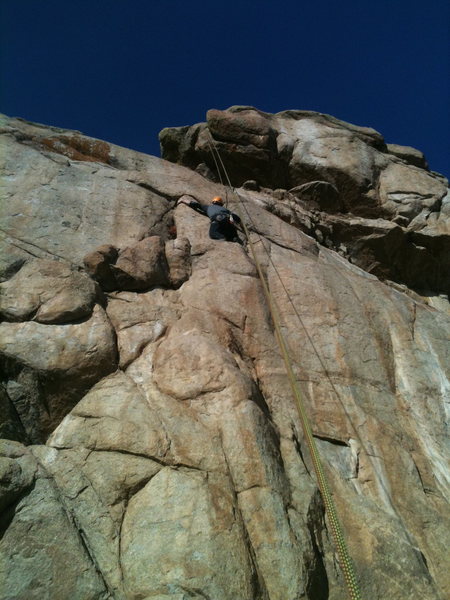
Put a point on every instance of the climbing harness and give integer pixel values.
(344, 558)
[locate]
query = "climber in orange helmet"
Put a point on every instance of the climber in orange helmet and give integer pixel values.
(223, 221)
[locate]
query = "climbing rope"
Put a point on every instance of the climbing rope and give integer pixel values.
(344, 558)
(215, 152)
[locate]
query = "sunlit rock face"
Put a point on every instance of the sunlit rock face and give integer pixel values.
(377, 204)
(151, 445)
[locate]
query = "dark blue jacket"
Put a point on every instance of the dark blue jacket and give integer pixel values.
(214, 211)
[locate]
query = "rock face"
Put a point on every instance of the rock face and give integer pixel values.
(370, 201)
(151, 445)
(48, 291)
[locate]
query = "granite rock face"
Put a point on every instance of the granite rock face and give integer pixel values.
(48, 368)
(49, 291)
(152, 449)
(345, 175)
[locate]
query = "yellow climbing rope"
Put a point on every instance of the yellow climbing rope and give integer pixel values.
(344, 558)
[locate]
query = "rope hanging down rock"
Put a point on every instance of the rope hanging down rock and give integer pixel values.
(345, 560)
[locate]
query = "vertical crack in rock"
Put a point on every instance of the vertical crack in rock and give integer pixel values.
(260, 591)
(88, 550)
(68, 491)
(130, 495)
(317, 585)
(299, 450)
(183, 473)
(413, 323)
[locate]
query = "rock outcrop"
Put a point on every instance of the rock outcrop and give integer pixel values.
(377, 204)
(151, 446)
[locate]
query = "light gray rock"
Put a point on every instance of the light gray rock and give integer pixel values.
(115, 476)
(139, 319)
(185, 472)
(113, 416)
(323, 151)
(80, 348)
(42, 552)
(410, 155)
(408, 191)
(95, 524)
(48, 292)
(48, 368)
(65, 207)
(207, 553)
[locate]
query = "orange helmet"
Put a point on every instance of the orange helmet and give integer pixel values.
(217, 200)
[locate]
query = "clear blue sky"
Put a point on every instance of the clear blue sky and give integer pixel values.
(121, 70)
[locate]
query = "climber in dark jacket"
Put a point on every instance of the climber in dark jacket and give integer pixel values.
(223, 221)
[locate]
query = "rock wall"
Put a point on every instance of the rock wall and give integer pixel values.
(375, 203)
(151, 445)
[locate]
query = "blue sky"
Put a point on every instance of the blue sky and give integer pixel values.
(121, 70)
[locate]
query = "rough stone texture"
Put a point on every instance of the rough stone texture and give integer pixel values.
(47, 368)
(303, 152)
(406, 191)
(178, 255)
(48, 291)
(319, 195)
(139, 319)
(98, 265)
(57, 206)
(176, 467)
(43, 553)
(11, 427)
(208, 553)
(142, 266)
(410, 155)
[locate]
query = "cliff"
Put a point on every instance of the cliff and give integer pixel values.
(152, 449)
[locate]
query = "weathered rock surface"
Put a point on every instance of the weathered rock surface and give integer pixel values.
(178, 256)
(142, 266)
(141, 318)
(49, 291)
(408, 154)
(43, 551)
(168, 459)
(81, 204)
(332, 167)
(48, 368)
(98, 264)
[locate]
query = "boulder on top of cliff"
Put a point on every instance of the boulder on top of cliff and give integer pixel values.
(332, 168)
(410, 155)
(319, 195)
(292, 148)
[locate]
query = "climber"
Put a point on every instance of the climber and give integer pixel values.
(223, 221)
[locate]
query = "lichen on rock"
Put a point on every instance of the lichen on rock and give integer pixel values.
(152, 447)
